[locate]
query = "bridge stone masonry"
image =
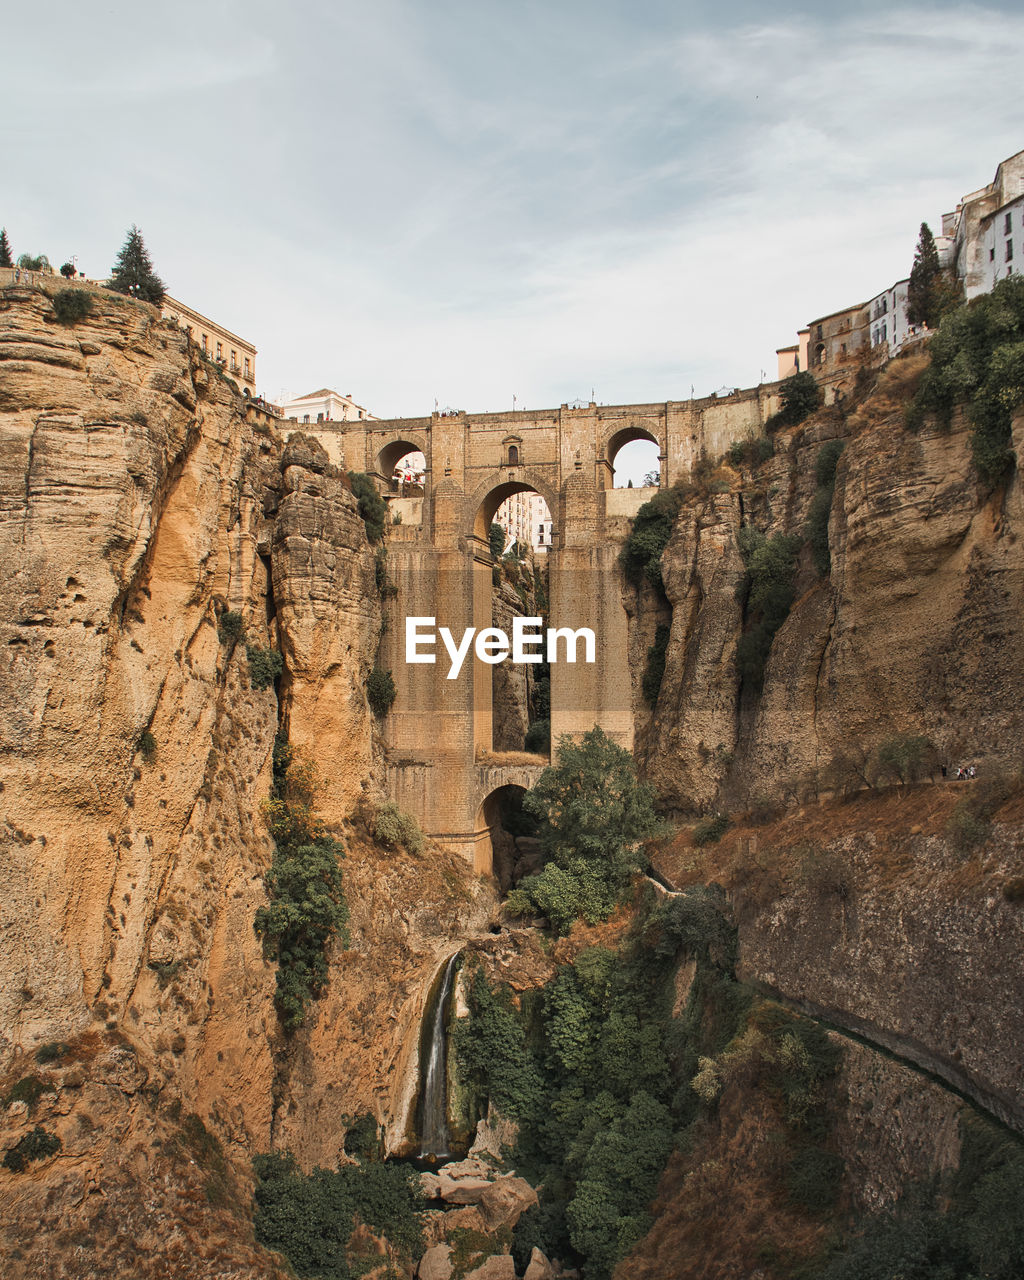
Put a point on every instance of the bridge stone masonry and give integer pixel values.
(439, 732)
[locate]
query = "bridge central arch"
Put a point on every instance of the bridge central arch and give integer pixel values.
(489, 496)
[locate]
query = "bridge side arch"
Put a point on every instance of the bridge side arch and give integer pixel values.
(482, 506)
(396, 449)
(626, 435)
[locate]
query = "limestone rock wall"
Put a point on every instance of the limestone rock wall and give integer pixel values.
(915, 630)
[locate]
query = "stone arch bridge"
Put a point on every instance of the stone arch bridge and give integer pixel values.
(439, 732)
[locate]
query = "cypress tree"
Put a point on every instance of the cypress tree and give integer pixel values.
(133, 272)
(924, 290)
(5, 249)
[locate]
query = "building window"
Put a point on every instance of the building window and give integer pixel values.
(220, 350)
(247, 366)
(1009, 250)
(306, 418)
(991, 255)
(513, 455)
(206, 345)
(1007, 225)
(234, 359)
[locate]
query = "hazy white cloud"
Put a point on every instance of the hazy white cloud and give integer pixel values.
(475, 200)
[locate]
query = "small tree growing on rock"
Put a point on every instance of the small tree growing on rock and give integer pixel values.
(5, 249)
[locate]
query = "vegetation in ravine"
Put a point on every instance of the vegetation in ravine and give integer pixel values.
(307, 908)
(592, 813)
(977, 361)
(310, 1218)
(265, 665)
(591, 1068)
(396, 829)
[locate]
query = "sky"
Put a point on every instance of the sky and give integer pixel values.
(436, 201)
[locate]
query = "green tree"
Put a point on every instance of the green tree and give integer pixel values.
(800, 395)
(591, 806)
(496, 537)
(977, 360)
(39, 263)
(133, 272)
(5, 249)
(925, 275)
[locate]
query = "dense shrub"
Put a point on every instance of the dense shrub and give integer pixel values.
(496, 537)
(767, 593)
(654, 671)
(230, 626)
(977, 360)
(396, 829)
(310, 1218)
(373, 509)
(821, 504)
(147, 746)
(265, 665)
(751, 453)
(72, 305)
(307, 907)
(36, 1145)
(380, 691)
(814, 1178)
(648, 537)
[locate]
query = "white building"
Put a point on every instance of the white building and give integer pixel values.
(525, 518)
(324, 405)
(1002, 243)
(977, 228)
(887, 322)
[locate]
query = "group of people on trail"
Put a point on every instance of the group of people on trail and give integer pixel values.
(966, 771)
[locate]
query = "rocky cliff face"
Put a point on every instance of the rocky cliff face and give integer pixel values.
(140, 513)
(914, 630)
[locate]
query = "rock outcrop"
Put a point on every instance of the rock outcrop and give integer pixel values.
(915, 630)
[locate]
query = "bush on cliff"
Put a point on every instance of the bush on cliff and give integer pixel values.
(380, 691)
(648, 538)
(265, 665)
(373, 510)
(821, 504)
(977, 360)
(396, 829)
(307, 907)
(71, 305)
(654, 671)
(767, 593)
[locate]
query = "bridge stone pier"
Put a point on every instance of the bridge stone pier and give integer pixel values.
(439, 732)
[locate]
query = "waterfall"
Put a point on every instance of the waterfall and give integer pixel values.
(434, 1090)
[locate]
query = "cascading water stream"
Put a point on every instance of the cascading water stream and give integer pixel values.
(434, 1092)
